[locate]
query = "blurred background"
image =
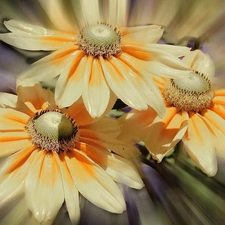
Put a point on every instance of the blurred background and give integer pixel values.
(176, 192)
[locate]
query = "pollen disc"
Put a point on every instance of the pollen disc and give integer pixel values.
(100, 40)
(53, 131)
(193, 93)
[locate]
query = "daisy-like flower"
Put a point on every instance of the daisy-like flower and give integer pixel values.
(52, 155)
(194, 114)
(97, 56)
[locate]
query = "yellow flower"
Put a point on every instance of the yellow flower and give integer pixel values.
(97, 56)
(51, 155)
(195, 114)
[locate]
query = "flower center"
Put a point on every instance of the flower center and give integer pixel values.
(53, 131)
(191, 94)
(100, 40)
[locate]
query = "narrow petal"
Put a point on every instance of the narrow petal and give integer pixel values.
(12, 120)
(31, 37)
(44, 179)
(199, 144)
(70, 191)
(165, 133)
(148, 34)
(70, 83)
(96, 92)
(11, 142)
(49, 66)
(94, 183)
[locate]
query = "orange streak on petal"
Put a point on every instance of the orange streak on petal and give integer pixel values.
(57, 39)
(74, 66)
(138, 52)
(220, 110)
(63, 54)
(171, 112)
(219, 100)
(220, 92)
(96, 75)
(20, 158)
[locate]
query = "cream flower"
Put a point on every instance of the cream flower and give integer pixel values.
(97, 56)
(51, 155)
(194, 114)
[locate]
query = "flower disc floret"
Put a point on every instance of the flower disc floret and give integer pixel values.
(52, 130)
(100, 40)
(192, 94)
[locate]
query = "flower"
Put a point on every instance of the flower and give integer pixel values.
(51, 155)
(97, 56)
(194, 114)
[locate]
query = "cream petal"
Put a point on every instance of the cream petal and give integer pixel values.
(165, 133)
(44, 179)
(94, 183)
(104, 141)
(217, 125)
(117, 13)
(70, 83)
(7, 99)
(87, 12)
(121, 170)
(58, 11)
(31, 37)
(147, 34)
(11, 142)
(199, 144)
(12, 120)
(49, 66)
(71, 193)
(37, 99)
(135, 124)
(177, 51)
(150, 92)
(200, 62)
(124, 82)
(95, 92)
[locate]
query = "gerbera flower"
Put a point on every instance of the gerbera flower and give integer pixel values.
(97, 56)
(52, 155)
(194, 114)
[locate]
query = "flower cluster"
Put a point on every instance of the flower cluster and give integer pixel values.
(57, 146)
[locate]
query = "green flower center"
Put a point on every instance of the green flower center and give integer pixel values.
(192, 94)
(53, 131)
(100, 40)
